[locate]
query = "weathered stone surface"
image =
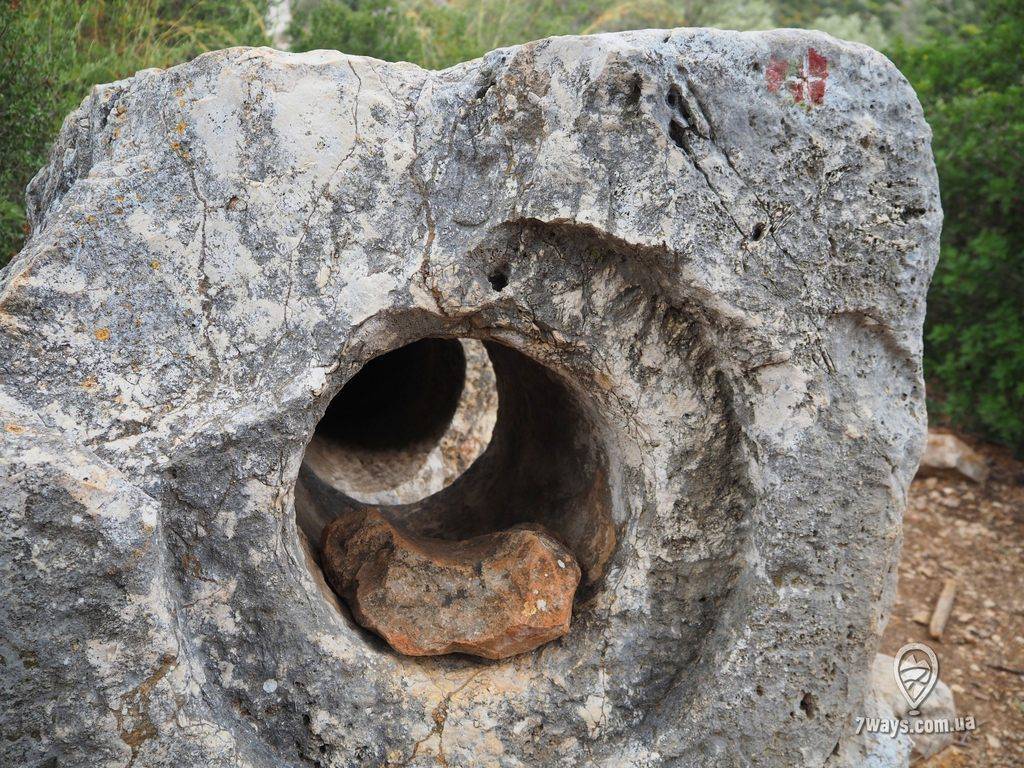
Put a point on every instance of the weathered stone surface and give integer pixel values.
(946, 454)
(698, 260)
(865, 749)
(493, 596)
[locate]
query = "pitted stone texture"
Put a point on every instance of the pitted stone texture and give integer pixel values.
(493, 596)
(726, 274)
(885, 701)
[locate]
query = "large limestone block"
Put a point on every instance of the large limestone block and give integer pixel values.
(698, 260)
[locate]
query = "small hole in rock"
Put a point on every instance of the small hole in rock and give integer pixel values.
(758, 231)
(678, 134)
(808, 706)
(498, 279)
(635, 91)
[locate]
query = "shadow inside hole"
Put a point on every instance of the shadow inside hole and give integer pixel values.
(401, 398)
(389, 438)
(498, 280)
(544, 464)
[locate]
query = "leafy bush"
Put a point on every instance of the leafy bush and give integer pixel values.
(377, 28)
(433, 35)
(973, 95)
(53, 51)
(436, 35)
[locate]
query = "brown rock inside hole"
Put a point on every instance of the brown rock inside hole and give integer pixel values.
(494, 596)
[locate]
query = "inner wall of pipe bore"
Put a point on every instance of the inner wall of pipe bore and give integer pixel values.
(407, 462)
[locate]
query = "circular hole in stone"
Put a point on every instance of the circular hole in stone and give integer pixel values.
(408, 423)
(512, 442)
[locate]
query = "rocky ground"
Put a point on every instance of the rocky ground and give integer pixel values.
(974, 534)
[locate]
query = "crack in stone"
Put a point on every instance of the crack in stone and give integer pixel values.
(439, 716)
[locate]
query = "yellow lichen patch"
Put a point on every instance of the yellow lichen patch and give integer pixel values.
(154, 264)
(14, 429)
(102, 334)
(184, 153)
(180, 127)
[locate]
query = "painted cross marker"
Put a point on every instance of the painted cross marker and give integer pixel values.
(807, 85)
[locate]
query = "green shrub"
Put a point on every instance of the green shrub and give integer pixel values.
(972, 90)
(436, 35)
(377, 28)
(431, 34)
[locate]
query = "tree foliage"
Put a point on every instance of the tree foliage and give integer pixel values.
(971, 85)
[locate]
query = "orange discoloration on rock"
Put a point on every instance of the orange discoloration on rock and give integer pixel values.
(494, 596)
(102, 334)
